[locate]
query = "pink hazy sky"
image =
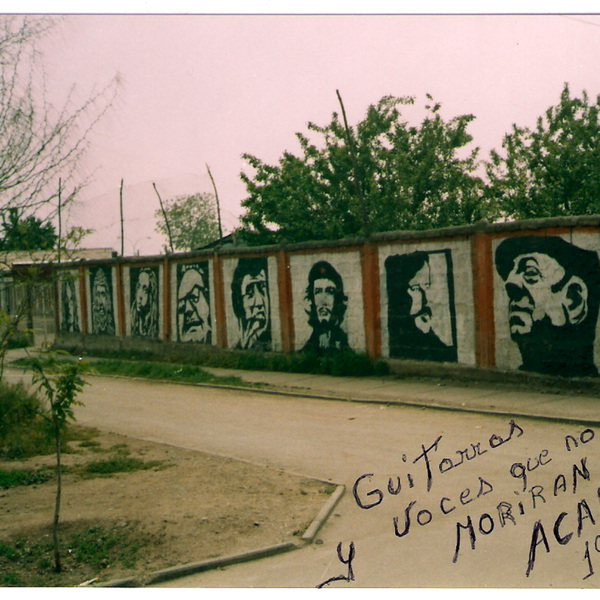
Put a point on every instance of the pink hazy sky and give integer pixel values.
(204, 89)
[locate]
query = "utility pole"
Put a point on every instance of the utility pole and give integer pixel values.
(358, 191)
(59, 217)
(218, 205)
(164, 212)
(122, 226)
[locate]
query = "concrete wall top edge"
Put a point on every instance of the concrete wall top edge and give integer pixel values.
(591, 221)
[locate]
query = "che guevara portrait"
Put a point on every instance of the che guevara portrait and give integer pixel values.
(326, 309)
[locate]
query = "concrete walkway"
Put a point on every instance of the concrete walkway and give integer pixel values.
(477, 397)
(540, 401)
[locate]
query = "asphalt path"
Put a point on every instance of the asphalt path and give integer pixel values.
(458, 500)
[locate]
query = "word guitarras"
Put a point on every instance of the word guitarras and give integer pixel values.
(374, 497)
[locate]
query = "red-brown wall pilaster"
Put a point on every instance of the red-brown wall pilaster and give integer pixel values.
(220, 318)
(83, 298)
(369, 261)
(483, 300)
(120, 301)
(284, 283)
(166, 300)
(57, 301)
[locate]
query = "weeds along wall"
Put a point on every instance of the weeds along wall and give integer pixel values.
(515, 296)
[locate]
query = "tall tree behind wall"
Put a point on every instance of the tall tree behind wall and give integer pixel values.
(551, 170)
(29, 233)
(190, 222)
(411, 177)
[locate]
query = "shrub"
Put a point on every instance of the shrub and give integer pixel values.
(345, 363)
(18, 477)
(21, 339)
(22, 432)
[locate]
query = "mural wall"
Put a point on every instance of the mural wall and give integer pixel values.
(192, 302)
(327, 302)
(546, 295)
(514, 297)
(102, 293)
(69, 303)
(143, 294)
(252, 303)
(426, 300)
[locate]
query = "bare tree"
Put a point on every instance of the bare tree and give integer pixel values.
(38, 142)
(40, 148)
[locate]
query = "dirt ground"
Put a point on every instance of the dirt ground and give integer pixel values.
(190, 507)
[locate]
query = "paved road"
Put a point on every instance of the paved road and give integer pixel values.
(466, 475)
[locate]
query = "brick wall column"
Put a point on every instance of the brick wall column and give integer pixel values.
(120, 301)
(286, 313)
(483, 300)
(220, 318)
(166, 300)
(83, 299)
(56, 299)
(369, 260)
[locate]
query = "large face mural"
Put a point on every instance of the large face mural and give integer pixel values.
(421, 313)
(101, 298)
(144, 313)
(69, 305)
(326, 308)
(552, 288)
(193, 303)
(251, 304)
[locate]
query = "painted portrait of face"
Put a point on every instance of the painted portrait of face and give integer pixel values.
(552, 288)
(418, 288)
(103, 321)
(420, 306)
(193, 303)
(251, 303)
(536, 293)
(144, 305)
(255, 301)
(326, 308)
(324, 299)
(70, 308)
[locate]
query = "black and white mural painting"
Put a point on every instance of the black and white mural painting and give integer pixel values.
(326, 309)
(144, 301)
(552, 292)
(421, 315)
(101, 301)
(193, 303)
(251, 304)
(69, 303)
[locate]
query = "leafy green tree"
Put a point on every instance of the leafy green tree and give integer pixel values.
(383, 174)
(553, 169)
(192, 221)
(29, 233)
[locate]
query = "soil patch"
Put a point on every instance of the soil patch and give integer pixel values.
(183, 506)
